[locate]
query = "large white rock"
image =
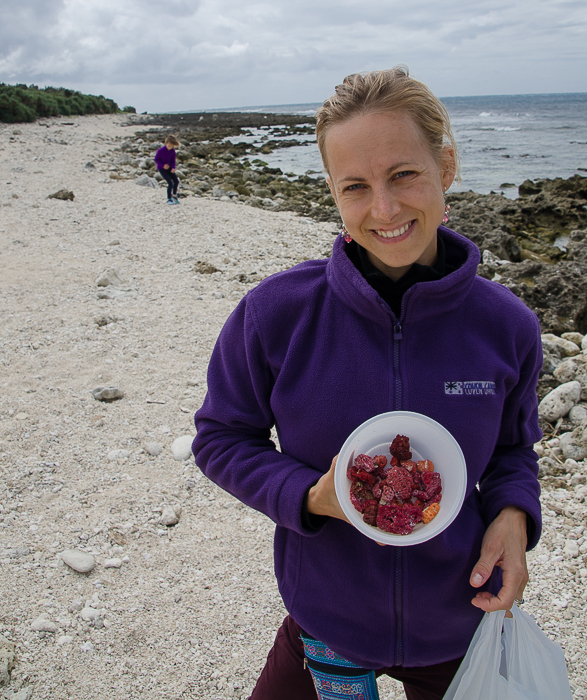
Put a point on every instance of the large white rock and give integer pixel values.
(571, 548)
(567, 370)
(181, 448)
(78, 561)
(559, 401)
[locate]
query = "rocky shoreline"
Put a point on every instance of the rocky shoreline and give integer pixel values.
(125, 573)
(536, 244)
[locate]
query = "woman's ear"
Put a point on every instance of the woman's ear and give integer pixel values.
(449, 167)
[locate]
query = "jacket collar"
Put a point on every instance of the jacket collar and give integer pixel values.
(420, 301)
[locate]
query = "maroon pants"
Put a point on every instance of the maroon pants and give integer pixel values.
(285, 678)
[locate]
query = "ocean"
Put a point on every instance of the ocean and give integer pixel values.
(502, 139)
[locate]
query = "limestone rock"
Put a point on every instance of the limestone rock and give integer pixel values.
(43, 624)
(146, 181)
(78, 561)
(115, 455)
(559, 401)
(170, 515)
(574, 445)
(107, 393)
(109, 277)
(568, 349)
(181, 448)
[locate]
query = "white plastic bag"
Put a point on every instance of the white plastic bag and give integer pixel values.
(511, 659)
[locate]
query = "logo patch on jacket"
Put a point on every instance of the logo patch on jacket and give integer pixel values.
(470, 388)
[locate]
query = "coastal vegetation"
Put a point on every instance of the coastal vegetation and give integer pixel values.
(22, 103)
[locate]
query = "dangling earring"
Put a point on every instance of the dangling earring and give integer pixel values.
(345, 234)
(446, 210)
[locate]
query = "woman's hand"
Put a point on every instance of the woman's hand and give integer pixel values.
(322, 499)
(166, 166)
(504, 545)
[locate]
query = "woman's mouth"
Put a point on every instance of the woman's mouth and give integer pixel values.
(396, 233)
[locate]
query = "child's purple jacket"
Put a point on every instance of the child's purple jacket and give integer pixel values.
(315, 351)
(165, 156)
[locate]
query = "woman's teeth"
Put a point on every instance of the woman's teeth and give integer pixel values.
(396, 233)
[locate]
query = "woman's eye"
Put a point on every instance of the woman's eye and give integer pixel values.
(404, 173)
(356, 186)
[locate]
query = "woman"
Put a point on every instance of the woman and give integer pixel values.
(396, 319)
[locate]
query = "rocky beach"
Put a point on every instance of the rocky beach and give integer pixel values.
(124, 572)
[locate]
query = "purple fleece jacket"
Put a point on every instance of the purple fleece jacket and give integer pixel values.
(165, 156)
(315, 351)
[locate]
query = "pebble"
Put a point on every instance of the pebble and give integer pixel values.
(107, 393)
(153, 448)
(87, 646)
(114, 563)
(64, 639)
(113, 455)
(568, 349)
(181, 448)
(578, 413)
(78, 561)
(43, 624)
(572, 548)
(170, 515)
(77, 605)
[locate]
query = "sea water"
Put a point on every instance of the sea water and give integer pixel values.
(502, 139)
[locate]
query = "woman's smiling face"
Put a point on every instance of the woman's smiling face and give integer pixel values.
(389, 188)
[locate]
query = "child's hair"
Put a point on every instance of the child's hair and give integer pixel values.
(172, 141)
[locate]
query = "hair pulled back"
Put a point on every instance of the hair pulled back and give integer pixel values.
(391, 90)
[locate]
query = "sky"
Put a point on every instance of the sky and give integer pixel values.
(190, 55)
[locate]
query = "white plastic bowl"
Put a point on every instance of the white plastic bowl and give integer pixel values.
(428, 440)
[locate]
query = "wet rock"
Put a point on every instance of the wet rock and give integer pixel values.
(89, 166)
(181, 448)
(78, 561)
(107, 393)
(559, 401)
(63, 195)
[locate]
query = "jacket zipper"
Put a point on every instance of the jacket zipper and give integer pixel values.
(397, 337)
(398, 602)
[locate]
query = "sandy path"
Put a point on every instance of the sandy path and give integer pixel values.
(193, 612)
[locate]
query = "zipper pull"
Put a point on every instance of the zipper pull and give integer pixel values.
(397, 331)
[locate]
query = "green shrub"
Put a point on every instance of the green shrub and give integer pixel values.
(22, 103)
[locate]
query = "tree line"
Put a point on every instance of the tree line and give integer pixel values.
(22, 103)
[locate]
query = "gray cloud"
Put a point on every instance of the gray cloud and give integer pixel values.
(182, 54)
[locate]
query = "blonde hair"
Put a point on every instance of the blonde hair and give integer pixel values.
(390, 90)
(172, 141)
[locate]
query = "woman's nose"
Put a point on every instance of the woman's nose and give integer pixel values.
(384, 206)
